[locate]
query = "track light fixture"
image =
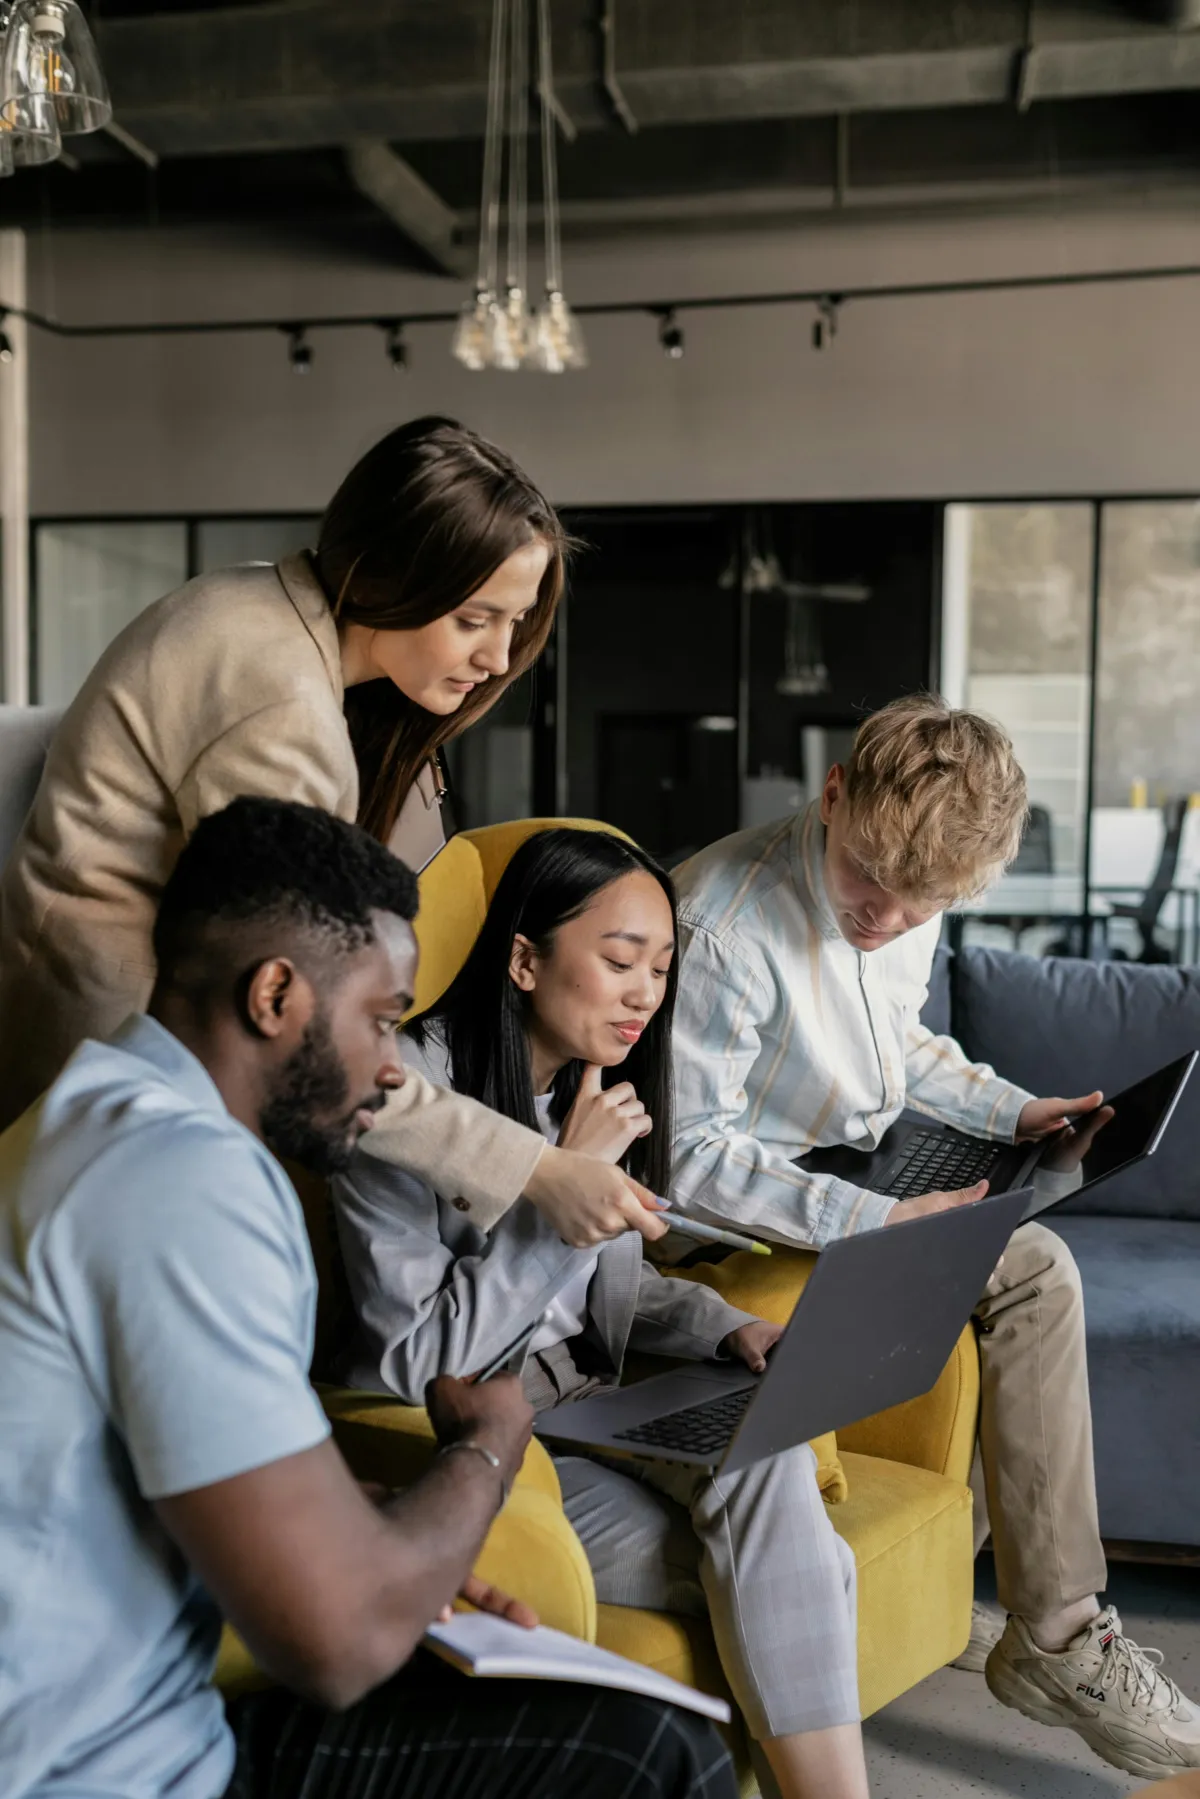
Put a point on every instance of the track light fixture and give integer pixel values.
(300, 352)
(6, 349)
(397, 349)
(826, 322)
(670, 335)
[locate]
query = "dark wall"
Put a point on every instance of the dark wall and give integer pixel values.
(652, 646)
(875, 649)
(653, 649)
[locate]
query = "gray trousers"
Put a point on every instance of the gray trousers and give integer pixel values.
(755, 1552)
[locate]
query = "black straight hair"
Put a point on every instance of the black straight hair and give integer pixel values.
(481, 1018)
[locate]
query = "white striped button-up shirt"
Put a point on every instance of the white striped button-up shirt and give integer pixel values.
(788, 1039)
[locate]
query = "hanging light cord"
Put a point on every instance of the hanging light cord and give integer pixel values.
(549, 152)
(518, 147)
(493, 146)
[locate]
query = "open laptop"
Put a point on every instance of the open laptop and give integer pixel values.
(916, 1158)
(875, 1325)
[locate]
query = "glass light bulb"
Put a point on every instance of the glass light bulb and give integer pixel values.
(512, 332)
(558, 341)
(472, 334)
(51, 63)
(25, 107)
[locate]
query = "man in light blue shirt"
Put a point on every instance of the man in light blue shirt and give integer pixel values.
(165, 1459)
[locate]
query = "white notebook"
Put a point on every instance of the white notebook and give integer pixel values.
(478, 1643)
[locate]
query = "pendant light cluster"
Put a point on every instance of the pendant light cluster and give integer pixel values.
(51, 82)
(498, 328)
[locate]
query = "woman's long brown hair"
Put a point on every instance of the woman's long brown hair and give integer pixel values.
(418, 525)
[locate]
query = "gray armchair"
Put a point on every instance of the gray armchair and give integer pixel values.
(25, 733)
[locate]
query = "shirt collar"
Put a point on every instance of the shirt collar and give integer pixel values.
(298, 578)
(176, 1066)
(808, 870)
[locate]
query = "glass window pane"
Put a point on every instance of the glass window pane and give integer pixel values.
(1147, 751)
(91, 580)
(222, 542)
(1017, 645)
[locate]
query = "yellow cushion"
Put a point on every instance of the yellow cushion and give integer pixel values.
(770, 1287)
(497, 844)
(531, 1551)
(393, 1443)
(911, 1535)
(453, 907)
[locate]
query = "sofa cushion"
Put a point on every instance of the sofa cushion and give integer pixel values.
(1141, 1287)
(1061, 1026)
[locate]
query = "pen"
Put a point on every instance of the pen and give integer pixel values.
(707, 1233)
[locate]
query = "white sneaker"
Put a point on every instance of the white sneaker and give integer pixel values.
(1104, 1687)
(987, 1627)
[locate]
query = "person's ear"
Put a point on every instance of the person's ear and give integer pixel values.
(835, 784)
(279, 1001)
(522, 964)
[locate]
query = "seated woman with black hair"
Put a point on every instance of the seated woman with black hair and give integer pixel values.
(574, 974)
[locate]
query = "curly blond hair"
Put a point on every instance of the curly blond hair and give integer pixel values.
(937, 800)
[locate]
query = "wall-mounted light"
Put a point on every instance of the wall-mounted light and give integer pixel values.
(670, 335)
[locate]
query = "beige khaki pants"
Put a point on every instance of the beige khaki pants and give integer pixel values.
(1035, 1430)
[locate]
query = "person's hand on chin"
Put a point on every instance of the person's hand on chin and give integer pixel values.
(603, 1122)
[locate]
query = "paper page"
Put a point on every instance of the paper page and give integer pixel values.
(485, 1645)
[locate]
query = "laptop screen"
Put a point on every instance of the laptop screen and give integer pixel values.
(1140, 1115)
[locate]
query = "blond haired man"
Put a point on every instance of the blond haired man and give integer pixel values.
(807, 947)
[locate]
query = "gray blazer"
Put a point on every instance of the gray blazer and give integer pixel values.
(434, 1294)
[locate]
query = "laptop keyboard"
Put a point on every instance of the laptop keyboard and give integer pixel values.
(703, 1429)
(934, 1163)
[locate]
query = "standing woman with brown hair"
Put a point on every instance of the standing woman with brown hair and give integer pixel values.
(333, 679)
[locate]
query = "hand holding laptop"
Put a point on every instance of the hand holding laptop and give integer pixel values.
(1042, 1117)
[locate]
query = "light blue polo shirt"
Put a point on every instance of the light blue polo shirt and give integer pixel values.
(157, 1302)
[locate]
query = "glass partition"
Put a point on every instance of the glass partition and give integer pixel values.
(90, 580)
(1146, 770)
(1016, 645)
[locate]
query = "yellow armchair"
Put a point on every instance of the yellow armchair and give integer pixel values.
(907, 1511)
(531, 1551)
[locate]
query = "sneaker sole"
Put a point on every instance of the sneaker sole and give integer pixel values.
(1010, 1690)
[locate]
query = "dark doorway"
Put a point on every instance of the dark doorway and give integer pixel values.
(669, 780)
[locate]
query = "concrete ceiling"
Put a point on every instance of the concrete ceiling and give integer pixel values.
(367, 114)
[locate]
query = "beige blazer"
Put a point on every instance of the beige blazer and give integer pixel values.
(232, 685)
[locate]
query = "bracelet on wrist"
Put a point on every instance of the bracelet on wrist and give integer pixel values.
(492, 1460)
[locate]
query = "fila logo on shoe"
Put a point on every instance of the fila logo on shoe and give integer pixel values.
(1090, 1692)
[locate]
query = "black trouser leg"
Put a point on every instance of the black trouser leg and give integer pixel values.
(430, 1733)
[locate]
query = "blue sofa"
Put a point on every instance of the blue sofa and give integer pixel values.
(1060, 1026)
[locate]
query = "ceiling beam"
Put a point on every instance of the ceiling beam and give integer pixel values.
(295, 74)
(394, 186)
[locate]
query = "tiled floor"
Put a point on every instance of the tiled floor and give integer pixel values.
(948, 1738)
